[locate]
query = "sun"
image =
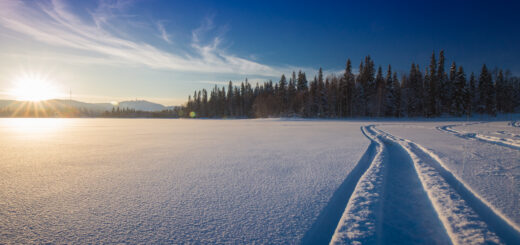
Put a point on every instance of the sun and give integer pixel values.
(32, 87)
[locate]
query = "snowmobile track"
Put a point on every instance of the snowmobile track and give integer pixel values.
(408, 195)
(510, 143)
(324, 226)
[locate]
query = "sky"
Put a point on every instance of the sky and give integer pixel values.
(161, 51)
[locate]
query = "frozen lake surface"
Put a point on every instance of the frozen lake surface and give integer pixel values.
(258, 181)
(161, 181)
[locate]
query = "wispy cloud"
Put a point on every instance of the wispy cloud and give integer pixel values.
(164, 35)
(53, 23)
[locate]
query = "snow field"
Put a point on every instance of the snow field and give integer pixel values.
(462, 223)
(358, 223)
(491, 171)
(258, 181)
(170, 181)
(500, 137)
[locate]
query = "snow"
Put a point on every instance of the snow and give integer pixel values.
(492, 171)
(462, 223)
(276, 181)
(358, 222)
(170, 181)
(493, 136)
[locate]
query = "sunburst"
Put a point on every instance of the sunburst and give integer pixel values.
(33, 87)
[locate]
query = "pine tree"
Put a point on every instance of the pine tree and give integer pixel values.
(350, 82)
(360, 97)
(414, 92)
(204, 111)
(471, 95)
(314, 98)
(515, 84)
(291, 94)
(398, 95)
(450, 88)
(282, 93)
(501, 93)
(487, 92)
(390, 94)
(443, 99)
(370, 87)
(459, 105)
(432, 87)
(302, 81)
(229, 99)
(380, 94)
(321, 96)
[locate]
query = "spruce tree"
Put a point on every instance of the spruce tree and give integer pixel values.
(450, 88)
(414, 92)
(432, 88)
(459, 104)
(471, 95)
(321, 96)
(230, 99)
(291, 94)
(282, 93)
(390, 94)
(302, 81)
(380, 92)
(501, 92)
(443, 100)
(487, 92)
(350, 81)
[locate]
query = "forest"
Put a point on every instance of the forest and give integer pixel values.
(434, 91)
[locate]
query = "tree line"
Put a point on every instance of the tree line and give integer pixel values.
(431, 92)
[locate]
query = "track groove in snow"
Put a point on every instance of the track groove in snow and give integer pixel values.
(408, 196)
(324, 226)
(508, 134)
(408, 215)
(513, 144)
(389, 204)
(358, 223)
(468, 218)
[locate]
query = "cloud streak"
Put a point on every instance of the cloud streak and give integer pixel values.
(53, 23)
(164, 35)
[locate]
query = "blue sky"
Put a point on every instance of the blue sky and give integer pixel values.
(163, 50)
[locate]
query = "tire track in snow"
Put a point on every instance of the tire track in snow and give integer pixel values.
(468, 218)
(408, 216)
(513, 144)
(358, 222)
(324, 226)
(389, 204)
(508, 134)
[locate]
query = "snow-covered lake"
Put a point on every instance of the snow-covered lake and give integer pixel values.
(258, 181)
(161, 181)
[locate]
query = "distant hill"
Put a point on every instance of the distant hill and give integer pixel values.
(56, 104)
(142, 105)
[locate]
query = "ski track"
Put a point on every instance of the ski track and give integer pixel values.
(407, 194)
(513, 144)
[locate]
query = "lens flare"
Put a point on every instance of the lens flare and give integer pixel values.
(32, 87)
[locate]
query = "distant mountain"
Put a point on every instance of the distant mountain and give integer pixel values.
(141, 105)
(59, 105)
